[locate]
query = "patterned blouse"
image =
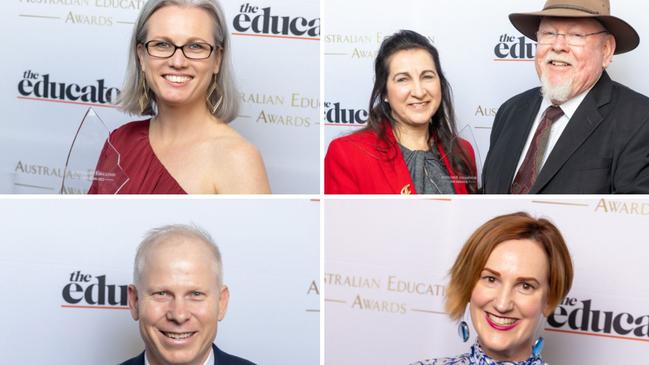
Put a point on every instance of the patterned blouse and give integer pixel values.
(477, 357)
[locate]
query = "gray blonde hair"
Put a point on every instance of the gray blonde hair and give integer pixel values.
(158, 235)
(133, 92)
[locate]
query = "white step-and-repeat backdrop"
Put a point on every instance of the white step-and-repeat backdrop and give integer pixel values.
(80, 47)
(386, 265)
(270, 252)
(485, 58)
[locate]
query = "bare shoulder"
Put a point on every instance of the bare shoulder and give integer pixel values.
(232, 148)
(239, 166)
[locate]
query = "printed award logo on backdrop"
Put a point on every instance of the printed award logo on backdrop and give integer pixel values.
(91, 292)
(255, 21)
(87, 142)
(363, 46)
(335, 114)
(622, 207)
(385, 294)
(275, 110)
(313, 292)
(44, 87)
(271, 109)
(581, 317)
(514, 48)
(484, 116)
(70, 13)
(357, 46)
(485, 111)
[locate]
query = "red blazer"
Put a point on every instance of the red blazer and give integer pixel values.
(361, 163)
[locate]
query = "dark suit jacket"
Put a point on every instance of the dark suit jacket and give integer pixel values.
(220, 358)
(604, 148)
(361, 163)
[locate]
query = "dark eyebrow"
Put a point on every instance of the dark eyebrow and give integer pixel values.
(408, 74)
(401, 73)
(497, 274)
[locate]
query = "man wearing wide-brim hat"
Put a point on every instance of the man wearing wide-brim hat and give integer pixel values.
(580, 132)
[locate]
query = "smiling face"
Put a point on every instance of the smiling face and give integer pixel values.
(509, 299)
(179, 81)
(566, 70)
(413, 88)
(178, 302)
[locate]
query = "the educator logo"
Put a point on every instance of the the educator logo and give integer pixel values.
(255, 20)
(87, 291)
(514, 48)
(38, 85)
(574, 315)
(338, 114)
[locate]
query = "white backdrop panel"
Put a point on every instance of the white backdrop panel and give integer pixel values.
(466, 34)
(270, 254)
(386, 265)
(79, 42)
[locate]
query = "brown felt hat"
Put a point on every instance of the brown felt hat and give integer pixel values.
(626, 38)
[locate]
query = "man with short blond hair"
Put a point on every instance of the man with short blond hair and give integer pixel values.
(580, 132)
(178, 297)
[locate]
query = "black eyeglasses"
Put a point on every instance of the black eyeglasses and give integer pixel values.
(193, 50)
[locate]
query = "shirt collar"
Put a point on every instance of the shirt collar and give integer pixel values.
(570, 106)
(478, 357)
(209, 361)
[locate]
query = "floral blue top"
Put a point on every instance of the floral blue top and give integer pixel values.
(477, 357)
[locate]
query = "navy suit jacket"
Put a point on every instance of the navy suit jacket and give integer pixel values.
(220, 358)
(604, 148)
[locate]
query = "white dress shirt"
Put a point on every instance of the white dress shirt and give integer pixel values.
(209, 361)
(569, 107)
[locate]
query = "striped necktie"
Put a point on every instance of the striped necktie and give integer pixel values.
(533, 161)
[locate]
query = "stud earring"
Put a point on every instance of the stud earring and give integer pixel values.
(463, 327)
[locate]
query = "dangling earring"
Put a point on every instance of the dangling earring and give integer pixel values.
(215, 107)
(463, 327)
(144, 98)
(537, 347)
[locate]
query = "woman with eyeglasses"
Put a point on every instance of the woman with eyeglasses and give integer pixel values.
(179, 74)
(410, 144)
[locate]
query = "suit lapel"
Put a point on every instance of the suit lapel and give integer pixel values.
(520, 130)
(219, 356)
(585, 120)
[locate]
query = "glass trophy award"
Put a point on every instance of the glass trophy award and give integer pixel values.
(93, 163)
(467, 134)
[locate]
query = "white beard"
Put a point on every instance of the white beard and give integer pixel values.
(556, 93)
